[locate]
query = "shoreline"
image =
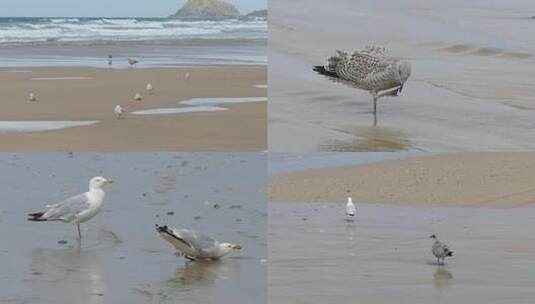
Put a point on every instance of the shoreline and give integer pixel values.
(90, 94)
(473, 180)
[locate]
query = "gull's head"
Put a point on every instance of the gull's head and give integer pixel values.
(404, 71)
(433, 236)
(228, 247)
(349, 200)
(98, 182)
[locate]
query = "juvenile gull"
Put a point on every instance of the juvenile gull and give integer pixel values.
(194, 245)
(77, 209)
(132, 62)
(118, 111)
(440, 250)
(350, 207)
(149, 88)
(370, 69)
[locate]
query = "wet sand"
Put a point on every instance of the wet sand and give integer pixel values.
(121, 258)
(457, 99)
(384, 256)
(90, 94)
(497, 180)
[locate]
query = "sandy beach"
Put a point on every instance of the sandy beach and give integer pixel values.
(496, 180)
(90, 94)
(457, 98)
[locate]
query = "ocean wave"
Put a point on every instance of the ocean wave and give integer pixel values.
(28, 30)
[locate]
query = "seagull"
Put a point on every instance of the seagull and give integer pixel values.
(32, 97)
(350, 208)
(370, 69)
(149, 88)
(76, 209)
(110, 59)
(440, 250)
(194, 245)
(138, 97)
(132, 62)
(118, 111)
(187, 76)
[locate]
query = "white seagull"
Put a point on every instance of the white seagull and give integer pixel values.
(350, 207)
(187, 76)
(77, 209)
(149, 88)
(118, 111)
(138, 97)
(370, 69)
(440, 250)
(132, 62)
(32, 97)
(194, 245)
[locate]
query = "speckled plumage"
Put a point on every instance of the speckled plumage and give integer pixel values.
(370, 69)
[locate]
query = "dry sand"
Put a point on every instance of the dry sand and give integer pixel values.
(242, 128)
(497, 180)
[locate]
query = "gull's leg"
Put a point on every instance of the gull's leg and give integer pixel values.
(78, 230)
(390, 92)
(375, 97)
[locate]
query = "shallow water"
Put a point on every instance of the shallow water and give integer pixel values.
(36, 126)
(383, 255)
(221, 100)
(121, 258)
(457, 97)
(178, 110)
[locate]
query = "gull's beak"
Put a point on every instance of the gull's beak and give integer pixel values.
(108, 181)
(236, 247)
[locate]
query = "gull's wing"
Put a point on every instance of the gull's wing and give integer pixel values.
(67, 209)
(197, 240)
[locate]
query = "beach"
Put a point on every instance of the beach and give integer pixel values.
(91, 94)
(494, 180)
(456, 99)
(479, 204)
(121, 256)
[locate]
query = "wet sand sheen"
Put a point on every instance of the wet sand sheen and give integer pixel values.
(121, 257)
(384, 255)
(498, 180)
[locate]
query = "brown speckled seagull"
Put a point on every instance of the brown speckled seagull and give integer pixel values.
(370, 69)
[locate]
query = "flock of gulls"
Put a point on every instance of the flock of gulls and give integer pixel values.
(80, 208)
(371, 69)
(119, 110)
(440, 250)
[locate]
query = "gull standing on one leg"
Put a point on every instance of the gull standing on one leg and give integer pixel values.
(77, 209)
(440, 250)
(194, 245)
(370, 69)
(350, 207)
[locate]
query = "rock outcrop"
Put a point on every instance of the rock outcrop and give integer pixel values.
(207, 9)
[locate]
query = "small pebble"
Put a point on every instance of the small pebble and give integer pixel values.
(198, 217)
(235, 207)
(36, 273)
(170, 213)
(238, 220)
(122, 258)
(62, 242)
(216, 206)
(144, 194)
